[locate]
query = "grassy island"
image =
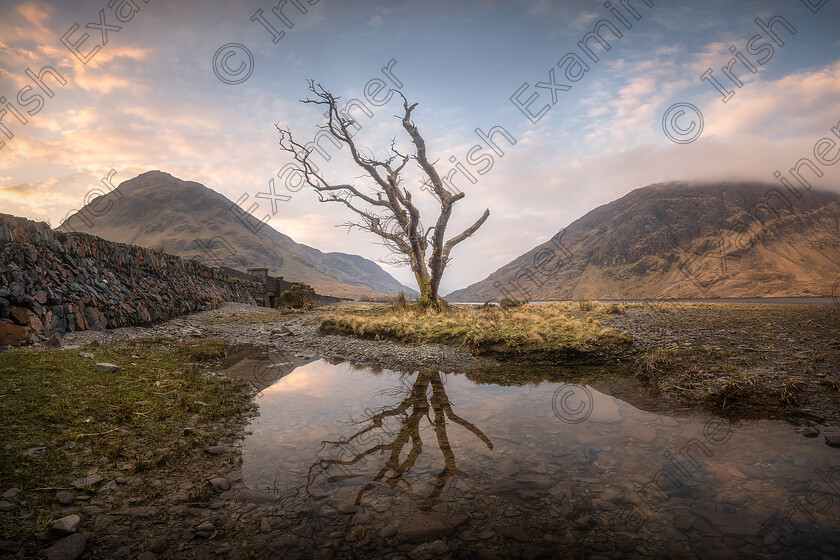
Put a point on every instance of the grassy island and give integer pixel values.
(530, 332)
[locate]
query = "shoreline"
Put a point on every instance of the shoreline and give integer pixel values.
(206, 507)
(716, 342)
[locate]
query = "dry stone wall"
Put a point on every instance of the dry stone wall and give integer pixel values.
(61, 282)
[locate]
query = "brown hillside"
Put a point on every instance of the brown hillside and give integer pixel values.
(157, 210)
(635, 247)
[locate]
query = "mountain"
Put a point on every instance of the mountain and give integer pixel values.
(683, 240)
(158, 210)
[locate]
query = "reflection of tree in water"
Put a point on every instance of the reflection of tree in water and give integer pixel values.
(376, 437)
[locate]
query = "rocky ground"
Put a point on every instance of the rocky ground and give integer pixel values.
(210, 514)
(297, 334)
(764, 360)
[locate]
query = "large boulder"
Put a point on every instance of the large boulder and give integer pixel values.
(13, 335)
(26, 318)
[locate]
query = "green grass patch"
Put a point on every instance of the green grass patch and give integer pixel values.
(245, 318)
(90, 420)
(534, 332)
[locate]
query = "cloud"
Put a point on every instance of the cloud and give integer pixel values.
(149, 100)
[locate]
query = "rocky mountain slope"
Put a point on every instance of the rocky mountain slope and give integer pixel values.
(192, 221)
(683, 240)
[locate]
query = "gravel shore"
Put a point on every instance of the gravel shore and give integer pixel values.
(297, 334)
(774, 351)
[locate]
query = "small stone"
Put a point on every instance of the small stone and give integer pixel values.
(390, 529)
(807, 414)
(105, 367)
(87, 355)
(87, 481)
(215, 449)
(288, 541)
(11, 493)
(147, 556)
(220, 484)
(204, 530)
(347, 508)
(365, 518)
(429, 551)
(65, 526)
(626, 543)
(64, 497)
(250, 496)
(10, 547)
(810, 432)
(265, 525)
(55, 341)
(6, 506)
(68, 548)
(157, 545)
(509, 468)
(36, 453)
(832, 440)
(423, 527)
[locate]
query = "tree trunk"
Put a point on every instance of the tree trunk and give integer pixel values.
(388, 211)
(429, 297)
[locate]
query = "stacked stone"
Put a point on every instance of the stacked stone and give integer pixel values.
(59, 282)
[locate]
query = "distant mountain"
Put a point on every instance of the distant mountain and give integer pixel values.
(188, 219)
(730, 239)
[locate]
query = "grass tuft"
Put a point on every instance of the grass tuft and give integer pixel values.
(543, 329)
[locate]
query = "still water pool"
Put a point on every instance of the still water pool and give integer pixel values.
(375, 463)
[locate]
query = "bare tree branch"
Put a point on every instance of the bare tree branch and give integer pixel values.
(386, 208)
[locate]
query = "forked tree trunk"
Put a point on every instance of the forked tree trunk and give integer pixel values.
(390, 202)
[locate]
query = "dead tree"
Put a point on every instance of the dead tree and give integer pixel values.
(385, 207)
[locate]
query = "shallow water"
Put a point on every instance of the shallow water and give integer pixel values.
(551, 468)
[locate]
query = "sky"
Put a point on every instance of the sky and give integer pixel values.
(693, 91)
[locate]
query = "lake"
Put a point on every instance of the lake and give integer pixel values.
(539, 463)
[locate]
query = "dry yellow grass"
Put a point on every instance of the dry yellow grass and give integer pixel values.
(539, 328)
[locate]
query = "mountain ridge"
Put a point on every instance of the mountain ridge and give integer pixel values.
(651, 241)
(193, 221)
